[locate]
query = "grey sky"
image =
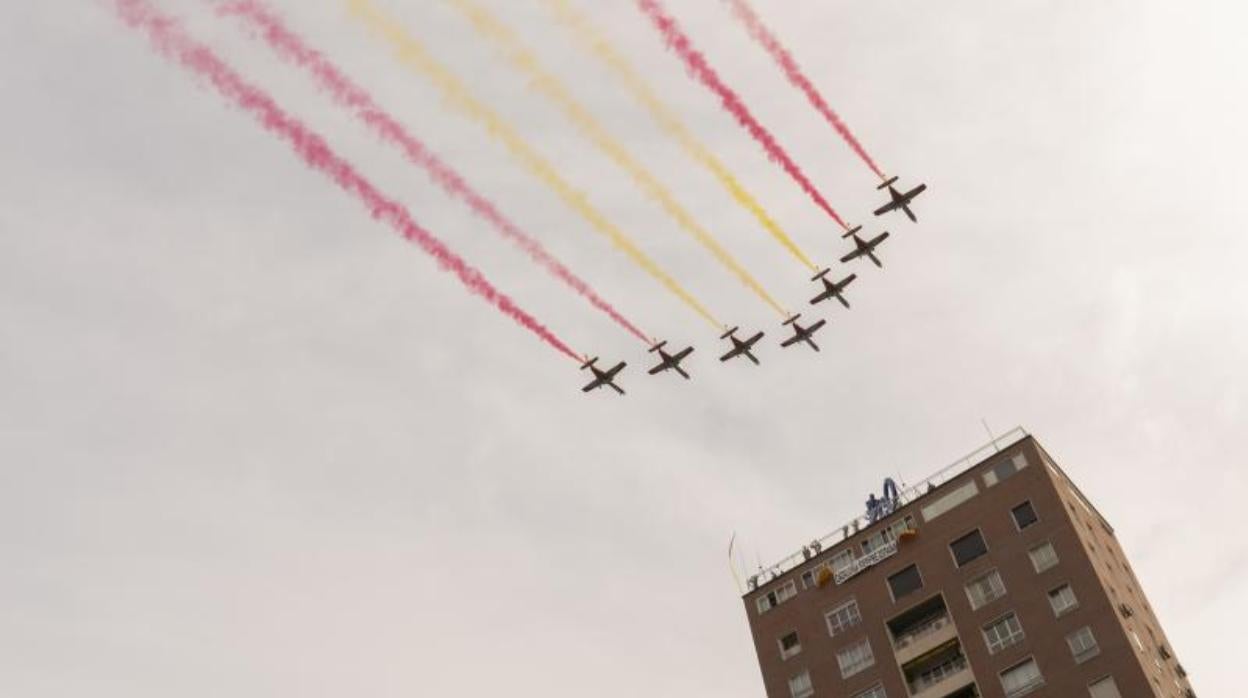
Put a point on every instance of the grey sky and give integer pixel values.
(253, 444)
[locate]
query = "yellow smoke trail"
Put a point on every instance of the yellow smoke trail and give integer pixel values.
(597, 43)
(413, 55)
(525, 61)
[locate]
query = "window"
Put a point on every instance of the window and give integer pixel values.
(968, 547)
(1021, 679)
(905, 582)
(842, 560)
(790, 645)
(800, 686)
(1104, 688)
(810, 578)
(1002, 633)
(1024, 515)
(984, 589)
(776, 596)
(855, 658)
(1043, 557)
(1136, 639)
(949, 501)
(843, 617)
(1005, 469)
(1083, 644)
(1062, 599)
(888, 534)
(876, 691)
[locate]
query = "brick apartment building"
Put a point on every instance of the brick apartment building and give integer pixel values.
(996, 577)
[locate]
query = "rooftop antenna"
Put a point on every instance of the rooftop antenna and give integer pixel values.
(731, 541)
(991, 437)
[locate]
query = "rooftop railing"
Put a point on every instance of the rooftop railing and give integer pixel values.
(905, 495)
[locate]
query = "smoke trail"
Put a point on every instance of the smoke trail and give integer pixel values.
(784, 59)
(169, 39)
(696, 63)
(597, 43)
(350, 95)
(525, 61)
(413, 55)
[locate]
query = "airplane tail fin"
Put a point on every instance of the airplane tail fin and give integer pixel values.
(658, 346)
(887, 183)
(728, 334)
(821, 274)
(851, 231)
(589, 362)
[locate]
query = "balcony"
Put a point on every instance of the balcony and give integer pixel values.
(941, 679)
(923, 637)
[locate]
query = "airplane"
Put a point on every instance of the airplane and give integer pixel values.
(899, 200)
(802, 334)
(862, 247)
(671, 361)
(740, 347)
(601, 377)
(832, 289)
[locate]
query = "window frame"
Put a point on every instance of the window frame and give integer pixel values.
(809, 689)
(1035, 516)
(888, 581)
(1059, 613)
(871, 692)
(1088, 653)
(1013, 638)
(967, 588)
(975, 531)
(864, 641)
(1030, 688)
(857, 615)
(776, 592)
(1103, 679)
(785, 655)
(1057, 559)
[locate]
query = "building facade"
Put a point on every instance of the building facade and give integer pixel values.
(994, 578)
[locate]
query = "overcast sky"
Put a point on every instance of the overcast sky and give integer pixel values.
(253, 444)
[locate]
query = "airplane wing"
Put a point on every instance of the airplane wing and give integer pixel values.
(878, 239)
(915, 192)
(753, 339)
(816, 326)
(822, 297)
(852, 256)
(594, 384)
(847, 280)
(890, 206)
(792, 340)
(683, 354)
(731, 353)
(658, 368)
(614, 370)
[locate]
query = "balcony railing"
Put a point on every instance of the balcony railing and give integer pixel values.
(928, 627)
(933, 675)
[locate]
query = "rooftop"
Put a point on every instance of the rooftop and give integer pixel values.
(905, 495)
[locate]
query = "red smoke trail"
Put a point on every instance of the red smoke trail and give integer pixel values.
(350, 95)
(794, 72)
(696, 63)
(167, 36)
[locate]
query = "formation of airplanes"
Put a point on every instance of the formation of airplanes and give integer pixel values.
(863, 247)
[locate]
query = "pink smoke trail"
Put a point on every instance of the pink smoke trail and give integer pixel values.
(696, 63)
(768, 41)
(350, 95)
(169, 39)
